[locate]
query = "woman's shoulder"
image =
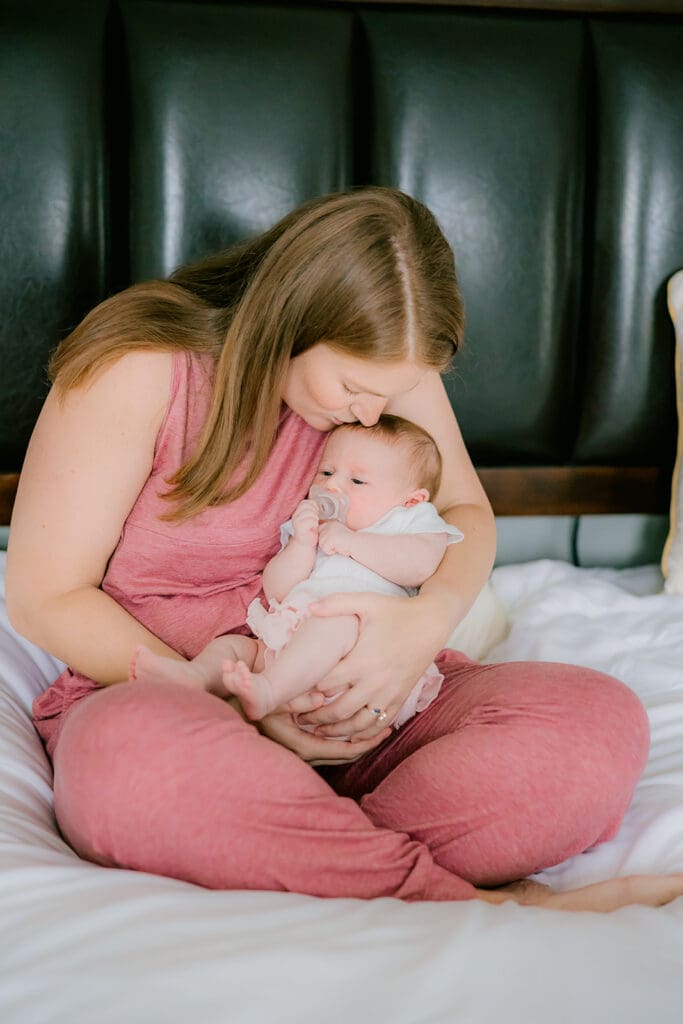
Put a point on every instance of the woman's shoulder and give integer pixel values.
(154, 366)
(137, 372)
(137, 380)
(130, 393)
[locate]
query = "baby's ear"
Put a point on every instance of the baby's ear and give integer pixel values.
(422, 494)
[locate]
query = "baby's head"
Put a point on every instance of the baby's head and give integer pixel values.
(392, 463)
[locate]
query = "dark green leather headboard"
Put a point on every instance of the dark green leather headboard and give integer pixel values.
(138, 135)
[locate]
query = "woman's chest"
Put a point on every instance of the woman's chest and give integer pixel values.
(224, 546)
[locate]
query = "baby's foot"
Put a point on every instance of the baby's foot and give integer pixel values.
(148, 667)
(253, 689)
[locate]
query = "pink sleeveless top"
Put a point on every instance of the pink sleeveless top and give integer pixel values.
(190, 582)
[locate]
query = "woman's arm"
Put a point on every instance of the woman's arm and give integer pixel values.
(90, 454)
(452, 590)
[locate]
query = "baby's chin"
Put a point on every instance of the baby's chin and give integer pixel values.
(361, 522)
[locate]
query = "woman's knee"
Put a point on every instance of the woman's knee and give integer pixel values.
(609, 715)
(573, 698)
(590, 743)
(125, 724)
(129, 757)
(158, 778)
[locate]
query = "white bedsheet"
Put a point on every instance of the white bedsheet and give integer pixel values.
(80, 943)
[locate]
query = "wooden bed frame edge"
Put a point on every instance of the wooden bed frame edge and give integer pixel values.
(533, 490)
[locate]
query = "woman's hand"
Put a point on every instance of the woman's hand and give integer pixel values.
(399, 637)
(317, 750)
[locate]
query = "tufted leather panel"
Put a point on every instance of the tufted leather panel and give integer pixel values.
(237, 115)
(52, 192)
(635, 243)
(139, 134)
(482, 119)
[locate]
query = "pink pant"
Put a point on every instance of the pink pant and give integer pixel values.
(514, 767)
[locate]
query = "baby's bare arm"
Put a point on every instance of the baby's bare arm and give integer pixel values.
(294, 563)
(289, 567)
(407, 559)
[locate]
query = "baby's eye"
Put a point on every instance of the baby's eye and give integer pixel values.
(356, 481)
(326, 472)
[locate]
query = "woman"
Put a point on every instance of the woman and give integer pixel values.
(184, 424)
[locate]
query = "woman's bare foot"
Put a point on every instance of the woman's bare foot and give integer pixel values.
(253, 689)
(148, 667)
(600, 898)
(646, 890)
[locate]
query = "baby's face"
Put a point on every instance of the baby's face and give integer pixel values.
(372, 473)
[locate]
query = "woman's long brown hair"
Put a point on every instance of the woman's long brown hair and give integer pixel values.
(368, 271)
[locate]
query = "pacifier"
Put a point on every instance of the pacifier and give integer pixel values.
(330, 506)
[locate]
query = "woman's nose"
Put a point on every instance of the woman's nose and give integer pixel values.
(368, 409)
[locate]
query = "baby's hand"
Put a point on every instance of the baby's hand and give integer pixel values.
(334, 538)
(305, 523)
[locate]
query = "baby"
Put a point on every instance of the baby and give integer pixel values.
(385, 537)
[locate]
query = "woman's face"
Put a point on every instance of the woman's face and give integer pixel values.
(326, 387)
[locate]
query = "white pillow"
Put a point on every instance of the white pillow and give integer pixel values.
(484, 626)
(672, 558)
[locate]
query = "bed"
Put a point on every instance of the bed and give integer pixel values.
(548, 139)
(84, 943)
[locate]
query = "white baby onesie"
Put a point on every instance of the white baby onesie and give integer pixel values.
(339, 574)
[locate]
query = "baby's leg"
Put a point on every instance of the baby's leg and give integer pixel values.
(203, 672)
(316, 646)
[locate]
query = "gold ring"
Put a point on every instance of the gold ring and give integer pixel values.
(378, 713)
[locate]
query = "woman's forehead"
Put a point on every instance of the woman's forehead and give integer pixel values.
(370, 375)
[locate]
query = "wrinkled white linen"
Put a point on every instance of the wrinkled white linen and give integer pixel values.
(80, 943)
(618, 622)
